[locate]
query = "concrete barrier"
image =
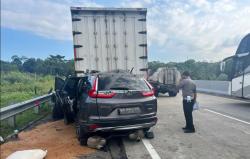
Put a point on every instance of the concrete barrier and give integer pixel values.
(215, 87)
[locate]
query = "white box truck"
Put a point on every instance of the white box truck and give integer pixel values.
(165, 80)
(107, 39)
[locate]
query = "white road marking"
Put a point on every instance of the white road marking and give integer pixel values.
(245, 122)
(150, 149)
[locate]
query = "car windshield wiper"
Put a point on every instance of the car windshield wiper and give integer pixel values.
(119, 88)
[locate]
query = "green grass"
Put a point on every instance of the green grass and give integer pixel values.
(17, 87)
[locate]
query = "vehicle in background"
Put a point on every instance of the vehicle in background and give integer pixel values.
(106, 102)
(237, 68)
(165, 80)
(107, 39)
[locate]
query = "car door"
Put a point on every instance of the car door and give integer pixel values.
(57, 99)
(69, 95)
(59, 84)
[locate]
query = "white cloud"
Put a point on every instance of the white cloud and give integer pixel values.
(199, 29)
(49, 19)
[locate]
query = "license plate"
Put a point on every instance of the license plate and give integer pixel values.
(126, 111)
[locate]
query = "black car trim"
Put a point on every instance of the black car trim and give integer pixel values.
(107, 119)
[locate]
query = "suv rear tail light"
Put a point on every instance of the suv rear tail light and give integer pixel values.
(148, 93)
(92, 127)
(92, 92)
(101, 94)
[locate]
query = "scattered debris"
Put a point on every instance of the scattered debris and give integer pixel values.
(1, 139)
(137, 135)
(16, 134)
(96, 142)
(28, 154)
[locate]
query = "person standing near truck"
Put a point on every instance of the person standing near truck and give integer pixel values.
(189, 95)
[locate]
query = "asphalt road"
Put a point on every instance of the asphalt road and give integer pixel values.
(222, 131)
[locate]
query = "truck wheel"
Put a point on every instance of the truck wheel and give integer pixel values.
(172, 94)
(57, 112)
(156, 93)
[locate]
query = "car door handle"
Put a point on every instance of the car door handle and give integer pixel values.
(240, 82)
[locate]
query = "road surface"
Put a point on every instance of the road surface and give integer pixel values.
(222, 131)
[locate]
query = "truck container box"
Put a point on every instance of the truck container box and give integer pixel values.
(107, 39)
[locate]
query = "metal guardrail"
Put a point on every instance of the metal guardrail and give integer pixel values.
(12, 110)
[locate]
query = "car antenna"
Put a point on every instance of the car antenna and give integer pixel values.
(131, 70)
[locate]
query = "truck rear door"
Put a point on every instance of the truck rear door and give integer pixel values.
(110, 39)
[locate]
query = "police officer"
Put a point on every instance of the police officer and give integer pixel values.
(189, 95)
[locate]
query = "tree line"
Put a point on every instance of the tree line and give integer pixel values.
(53, 65)
(198, 70)
(58, 65)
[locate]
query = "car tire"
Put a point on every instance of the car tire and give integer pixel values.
(149, 135)
(146, 130)
(83, 141)
(82, 136)
(57, 112)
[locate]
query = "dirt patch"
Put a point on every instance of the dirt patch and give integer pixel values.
(56, 137)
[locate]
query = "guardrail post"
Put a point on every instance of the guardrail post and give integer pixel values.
(51, 103)
(37, 107)
(12, 121)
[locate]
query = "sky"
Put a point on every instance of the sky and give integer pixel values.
(204, 30)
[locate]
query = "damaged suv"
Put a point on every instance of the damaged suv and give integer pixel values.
(105, 102)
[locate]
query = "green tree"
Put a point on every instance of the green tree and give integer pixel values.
(17, 61)
(198, 70)
(30, 65)
(7, 66)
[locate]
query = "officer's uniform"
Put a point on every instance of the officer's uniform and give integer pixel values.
(188, 90)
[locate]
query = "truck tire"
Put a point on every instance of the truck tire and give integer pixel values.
(172, 94)
(57, 112)
(156, 93)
